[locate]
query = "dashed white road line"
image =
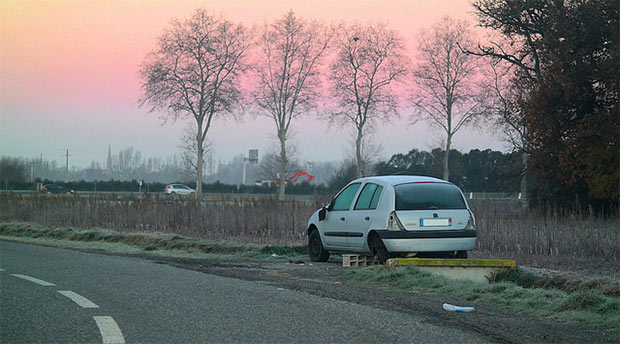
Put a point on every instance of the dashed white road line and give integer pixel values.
(110, 333)
(1, 269)
(35, 280)
(79, 299)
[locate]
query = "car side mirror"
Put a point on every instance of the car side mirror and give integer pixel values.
(322, 214)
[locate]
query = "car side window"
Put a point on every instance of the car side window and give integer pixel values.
(375, 197)
(344, 200)
(369, 197)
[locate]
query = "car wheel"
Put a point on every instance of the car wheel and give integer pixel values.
(378, 250)
(461, 255)
(315, 247)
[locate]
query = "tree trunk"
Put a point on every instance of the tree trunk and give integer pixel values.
(361, 168)
(524, 157)
(199, 153)
(283, 162)
(446, 156)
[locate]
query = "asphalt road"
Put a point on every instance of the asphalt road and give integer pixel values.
(141, 301)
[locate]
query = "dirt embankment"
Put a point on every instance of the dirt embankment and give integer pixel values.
(322, 279)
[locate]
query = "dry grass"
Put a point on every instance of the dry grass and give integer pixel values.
(506, 229)
(253, 220)
(555, 238)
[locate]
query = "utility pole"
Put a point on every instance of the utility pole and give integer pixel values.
(67, 166)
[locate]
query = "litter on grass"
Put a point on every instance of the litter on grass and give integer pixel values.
(453, 308)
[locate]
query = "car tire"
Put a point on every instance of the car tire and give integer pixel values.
(461, 255)
(378, 250)
(316, 251)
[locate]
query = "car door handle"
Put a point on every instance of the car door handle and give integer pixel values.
(367, 218)
(342, 219)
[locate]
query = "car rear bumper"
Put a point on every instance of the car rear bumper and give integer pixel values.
(429, 241)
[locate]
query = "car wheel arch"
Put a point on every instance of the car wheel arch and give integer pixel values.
(311, 228)
(370, 236)
(374, 240)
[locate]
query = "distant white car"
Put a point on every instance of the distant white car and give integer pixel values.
(390, 216)
(179, 189)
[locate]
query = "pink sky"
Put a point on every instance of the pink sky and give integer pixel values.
(68, 76)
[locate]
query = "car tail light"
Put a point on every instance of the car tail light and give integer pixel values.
(43, 188)
(471, 223)
(394, 223)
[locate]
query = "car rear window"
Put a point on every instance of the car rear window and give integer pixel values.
(425, 196)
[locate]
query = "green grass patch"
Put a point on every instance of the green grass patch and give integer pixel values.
(528, 279)
(145, 243)
(518, 291)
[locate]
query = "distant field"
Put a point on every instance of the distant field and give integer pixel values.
(505, 228)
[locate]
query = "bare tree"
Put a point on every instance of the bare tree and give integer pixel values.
(446, 91)
(369, 150)
(189, 152)
(287, 64)
(269, 167)
(505, 95)
(370, 58)
(192, 73)
(127, 163)
(521, 42)
(516, 53)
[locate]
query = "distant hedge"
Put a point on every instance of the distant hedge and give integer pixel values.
(303, 188)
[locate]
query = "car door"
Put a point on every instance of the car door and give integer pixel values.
(186, 190)
(334, 225)
(364, 211)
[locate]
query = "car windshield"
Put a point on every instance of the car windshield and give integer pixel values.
(425, 196)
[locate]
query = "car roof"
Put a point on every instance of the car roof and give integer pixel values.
(401, 179)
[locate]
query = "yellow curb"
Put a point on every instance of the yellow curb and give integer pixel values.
(439, 262)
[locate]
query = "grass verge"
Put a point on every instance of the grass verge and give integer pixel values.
(134, 243)
(516, 291)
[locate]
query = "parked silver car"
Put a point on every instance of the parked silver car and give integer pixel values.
(390, 216)
(178, 189)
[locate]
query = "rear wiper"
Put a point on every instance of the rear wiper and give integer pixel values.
(433, 207)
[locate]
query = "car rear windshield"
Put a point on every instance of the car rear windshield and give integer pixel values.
(424, 196)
